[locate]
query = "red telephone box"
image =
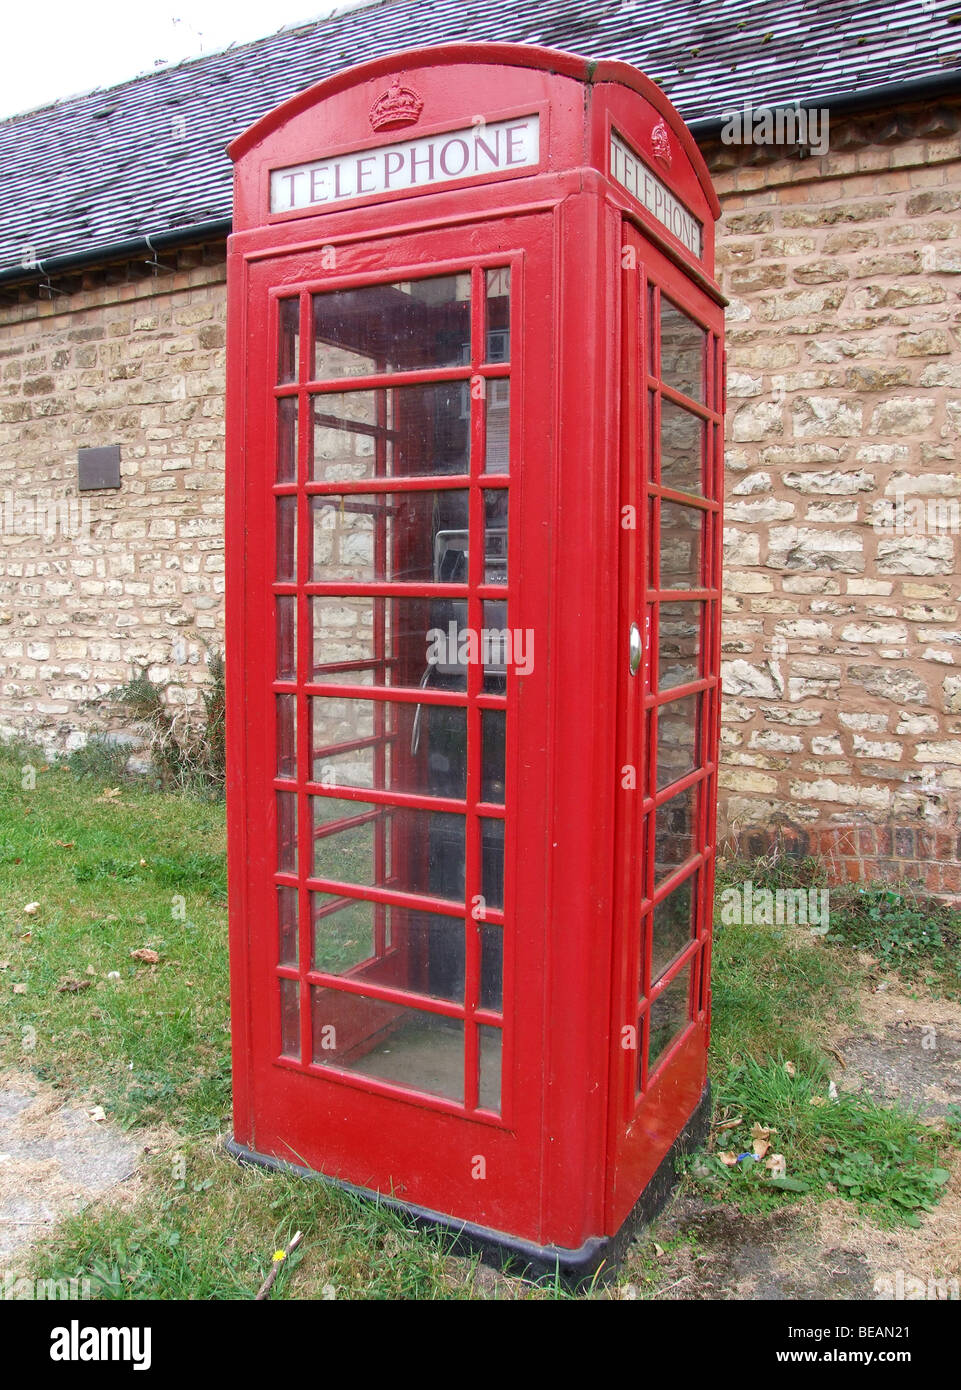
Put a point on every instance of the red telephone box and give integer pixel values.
(474, 510)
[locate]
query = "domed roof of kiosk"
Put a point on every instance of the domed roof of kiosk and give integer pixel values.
(551, 60)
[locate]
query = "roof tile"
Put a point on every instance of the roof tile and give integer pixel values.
(149, 156)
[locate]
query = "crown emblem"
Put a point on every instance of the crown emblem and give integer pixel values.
(398, 106)
(661, 143)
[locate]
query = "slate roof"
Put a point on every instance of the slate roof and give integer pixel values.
(149, 156)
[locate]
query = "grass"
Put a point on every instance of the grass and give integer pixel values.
(777, 990)
(213, 1234)
(87, 878)
(832, 1144)
(106, 871)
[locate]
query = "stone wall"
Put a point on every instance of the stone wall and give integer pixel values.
(96, 585)
(842, 627)
(842, 639)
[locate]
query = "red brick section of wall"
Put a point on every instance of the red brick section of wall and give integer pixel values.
(903, 854)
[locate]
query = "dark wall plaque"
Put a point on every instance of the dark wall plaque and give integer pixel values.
(97, 468)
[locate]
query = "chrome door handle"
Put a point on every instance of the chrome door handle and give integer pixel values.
(634, 649)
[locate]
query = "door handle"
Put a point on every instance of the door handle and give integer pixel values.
(634, 649)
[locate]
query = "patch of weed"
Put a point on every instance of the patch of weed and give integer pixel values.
(916, 935)
(881, 1157)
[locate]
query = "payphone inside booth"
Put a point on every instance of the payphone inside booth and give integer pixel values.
(473, 709)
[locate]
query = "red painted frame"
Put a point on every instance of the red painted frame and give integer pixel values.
(567, 1156)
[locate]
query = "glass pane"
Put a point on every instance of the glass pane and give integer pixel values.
(495, 535)
(411, 642)
(286, 539)
(502, 648)
(670, 1014)
(425, 954)
(290, 1018)
(498, 286)
(675, 833)
(411, 537)
(408, 431)
(492, 966)
(489, 1091)
(405, 326)
(678, 644)
(351, 841)
(682, 449)
(287, 948)
(386, 747)
(497, 448)
(286, 637)
(451, 646)
(286, 735)
(677, 739)
(673, 927)
(287, 832)
(287, 439)
(399, 847)
(682, 351)
(493, 762)
(492, 862)
(409, 1047)
(343, 932)
(288, 339)
(652, 446)
(652, 558)
(680, 546)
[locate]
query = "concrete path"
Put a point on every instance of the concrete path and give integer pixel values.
(54, 1160)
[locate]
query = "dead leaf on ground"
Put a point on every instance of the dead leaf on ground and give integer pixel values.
(31, 909)
(20, 989)
(110, 794)
(68, 985)
(790, 1068)
(145, 954)
(65, 844)
(728, 1158)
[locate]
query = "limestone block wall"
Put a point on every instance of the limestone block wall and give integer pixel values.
(842, 614)
(94, 585)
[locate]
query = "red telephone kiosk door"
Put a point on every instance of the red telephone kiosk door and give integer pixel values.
(669, 710)
(399, 458)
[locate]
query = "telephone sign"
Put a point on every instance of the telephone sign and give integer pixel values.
(458, 154)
